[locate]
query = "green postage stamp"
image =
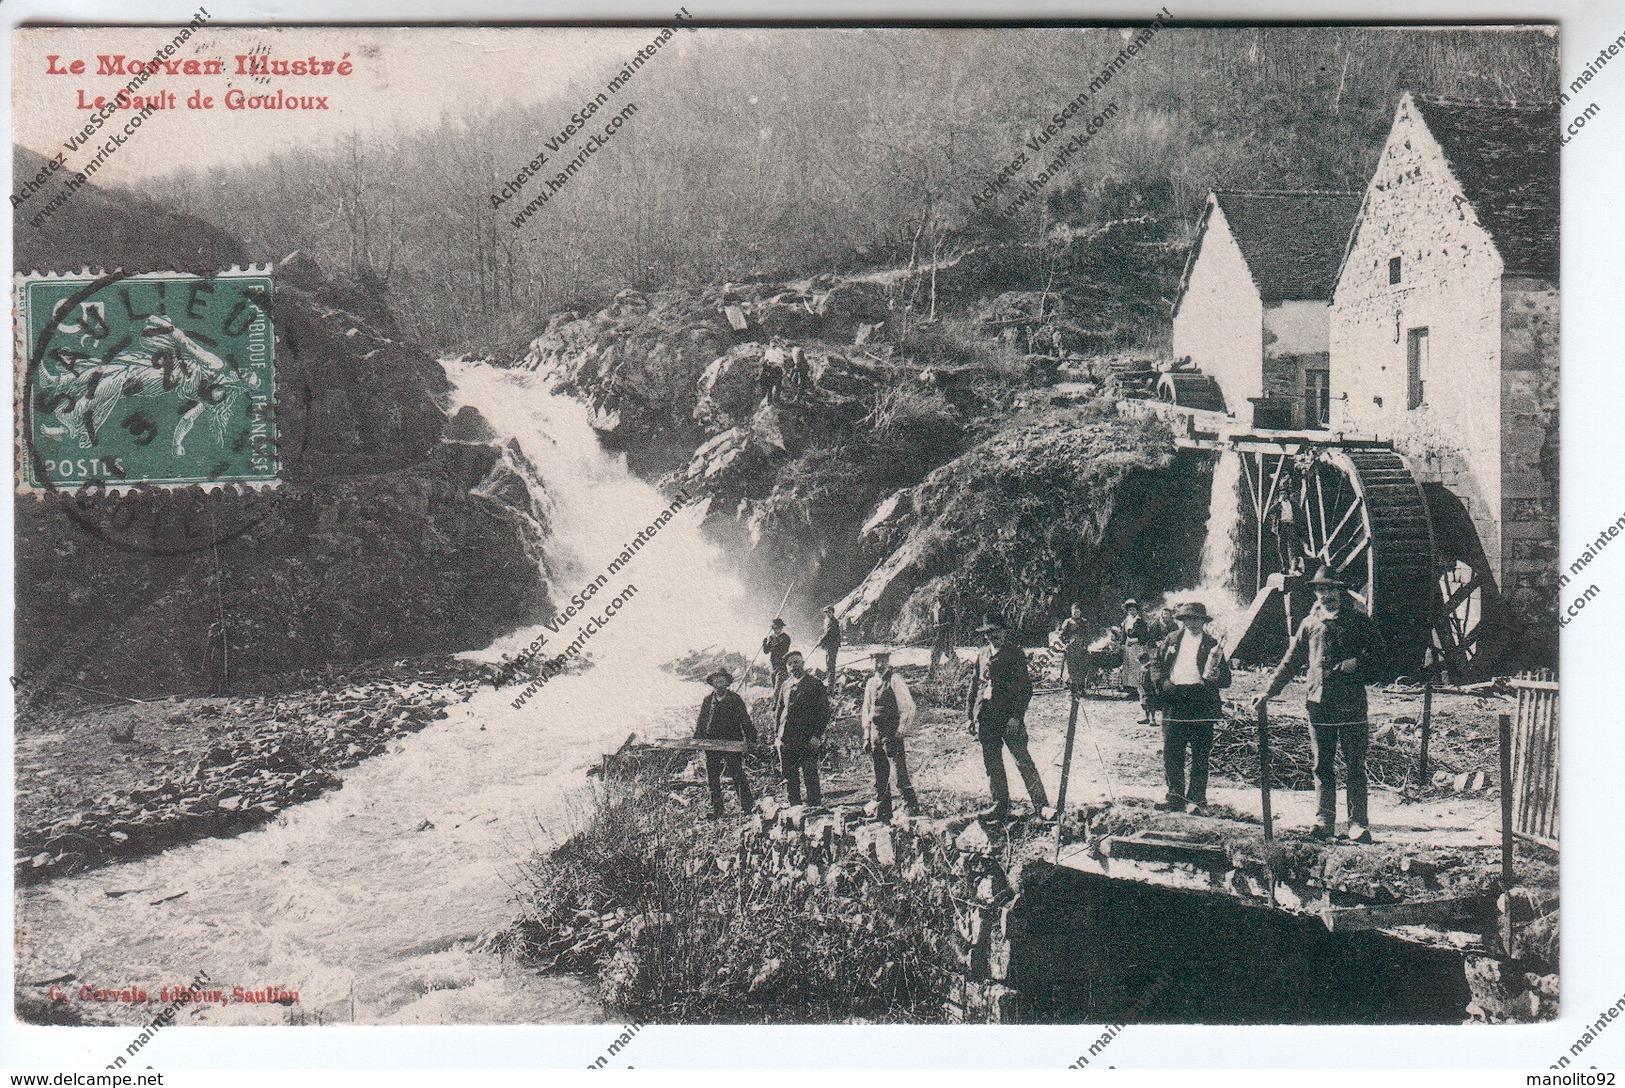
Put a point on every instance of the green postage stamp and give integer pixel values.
(163, 379)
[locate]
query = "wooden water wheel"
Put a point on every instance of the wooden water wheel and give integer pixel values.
(1359, 511)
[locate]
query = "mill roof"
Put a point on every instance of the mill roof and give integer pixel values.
(1292, 240)
(1505, 157)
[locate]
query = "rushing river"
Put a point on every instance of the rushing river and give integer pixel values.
(369, 901)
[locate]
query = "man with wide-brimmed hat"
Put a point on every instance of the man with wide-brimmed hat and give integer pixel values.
(1344, 652)
(723, 716)
(888, 710)
(1194, 669)
(995, 711)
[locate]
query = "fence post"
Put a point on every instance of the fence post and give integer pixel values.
(1066, 772)
(1264, 797)
(1427, 727)
(1264, 770)
(1506, 833)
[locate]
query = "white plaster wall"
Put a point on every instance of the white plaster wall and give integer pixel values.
(1220, 323)
(1452, 286)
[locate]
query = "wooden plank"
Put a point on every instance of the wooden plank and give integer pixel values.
(1505, 725)
(1538, 840)
(1386, 915)
(697, 743)
(1533, 685)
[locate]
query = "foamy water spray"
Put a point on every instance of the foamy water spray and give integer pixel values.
(366, 900)
(685, 597)
(1220, 550)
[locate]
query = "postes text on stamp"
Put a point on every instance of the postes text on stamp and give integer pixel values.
(161, 379)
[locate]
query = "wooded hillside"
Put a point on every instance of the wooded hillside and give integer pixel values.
(770, 151)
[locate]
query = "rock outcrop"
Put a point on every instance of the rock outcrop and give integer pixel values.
(381, 540)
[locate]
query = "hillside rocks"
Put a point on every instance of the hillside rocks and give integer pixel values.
(382, 539)
(856, 428)
(1023, 516)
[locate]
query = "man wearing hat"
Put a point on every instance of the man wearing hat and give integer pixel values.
(1344, 652)
(888, 710)
(995, 711)
(803, 714)
(1194, 669)
(776, 645)
(723, 716)
(829, 640)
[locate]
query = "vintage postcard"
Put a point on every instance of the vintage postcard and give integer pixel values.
(696, 523)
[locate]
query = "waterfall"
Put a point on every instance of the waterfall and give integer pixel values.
(1217, 587)
(1220, 548)
(631, 592)
(594, 510)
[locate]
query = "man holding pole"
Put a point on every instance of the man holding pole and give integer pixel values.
(777, 646)
(1344, 653)
(996, 711)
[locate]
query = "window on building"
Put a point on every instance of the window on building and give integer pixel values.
(1393, 270)
(1317, 398)
(1416, 367)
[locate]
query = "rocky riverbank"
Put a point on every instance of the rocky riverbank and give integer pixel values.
(140, 777)
(864, 428)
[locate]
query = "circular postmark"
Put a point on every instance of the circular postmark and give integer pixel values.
(147, 409)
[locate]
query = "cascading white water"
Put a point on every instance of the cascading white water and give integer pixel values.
(685, 597)
(1219, 549)
(368, 899)
(1217, 588)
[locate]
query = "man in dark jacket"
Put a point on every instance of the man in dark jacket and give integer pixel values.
(776, 645)
(1344, 652)
(995, 712)
(829, 640)
(1193, 670)
(803, 714)
(723, 716)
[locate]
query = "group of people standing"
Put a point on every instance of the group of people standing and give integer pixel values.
(1180, 674)
(783, 373)
(802, 708)
(1180, 670)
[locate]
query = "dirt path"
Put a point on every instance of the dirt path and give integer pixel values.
(1115, 758)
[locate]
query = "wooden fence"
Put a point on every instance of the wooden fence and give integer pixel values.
(1534, 757)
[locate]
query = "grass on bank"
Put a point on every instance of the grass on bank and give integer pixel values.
(649, 896)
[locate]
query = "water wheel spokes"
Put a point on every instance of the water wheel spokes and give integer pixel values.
(1338, 531)
(1461, 599)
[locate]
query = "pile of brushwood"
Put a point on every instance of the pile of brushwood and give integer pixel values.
(1461, 755)
(653, 903)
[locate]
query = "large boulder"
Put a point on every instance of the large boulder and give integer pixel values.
(728, 391)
